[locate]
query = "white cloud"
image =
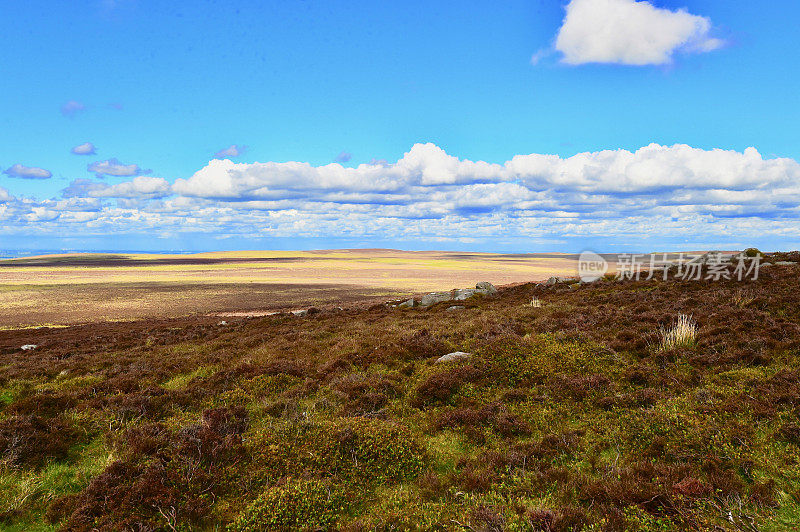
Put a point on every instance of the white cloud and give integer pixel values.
(429, 195)
(27, 172)
(233, 150)
(138, 187)
(5, 196)
(114, 167)
(426, 169)
(87, 148)
(630, 32)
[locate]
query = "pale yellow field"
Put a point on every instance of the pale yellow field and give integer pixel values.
(69, 289)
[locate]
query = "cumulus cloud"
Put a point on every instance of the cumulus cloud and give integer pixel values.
(140, 187)
(630, 32)
(429, 195)
(114, 167)
(71, 108)
(27, 172)
(5, 196)
(234, 150)
(87, 148)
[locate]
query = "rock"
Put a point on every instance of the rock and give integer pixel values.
(407, 304)
(459, 294)
(29, 347)
(465, 293)
(300, 313)
(785, 263)
(454, 357)
(554, 280)
(435, 297)
(487, 287)
(455, 307)
(223, 323)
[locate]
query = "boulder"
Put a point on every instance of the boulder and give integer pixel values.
(486, 287)
(435, 297)
(465, 293)
(29, 347)
(455, 307)
(456, 356)
(300, 313)
(459, 294)
(407, 304)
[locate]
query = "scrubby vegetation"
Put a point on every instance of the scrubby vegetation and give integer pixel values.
(586, 411)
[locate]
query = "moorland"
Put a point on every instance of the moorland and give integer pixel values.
(73, 289)
(577, 410)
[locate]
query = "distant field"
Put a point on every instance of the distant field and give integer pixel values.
(82, 288)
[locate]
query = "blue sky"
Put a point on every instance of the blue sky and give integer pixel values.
(159, 89)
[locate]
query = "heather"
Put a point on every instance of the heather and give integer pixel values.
(615, 405)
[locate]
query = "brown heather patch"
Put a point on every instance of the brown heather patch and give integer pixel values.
(569, 415)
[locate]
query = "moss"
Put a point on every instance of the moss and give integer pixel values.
(179, 381)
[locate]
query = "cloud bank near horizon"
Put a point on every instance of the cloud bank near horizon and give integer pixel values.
(428, 195)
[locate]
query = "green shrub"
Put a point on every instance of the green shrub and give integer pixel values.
(297, 504)
(532, 359)
(360, 449)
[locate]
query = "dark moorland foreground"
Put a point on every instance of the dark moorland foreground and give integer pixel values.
(568, 417)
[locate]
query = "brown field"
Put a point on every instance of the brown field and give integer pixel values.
(86, 288)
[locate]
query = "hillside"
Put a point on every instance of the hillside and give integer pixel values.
(570, 415)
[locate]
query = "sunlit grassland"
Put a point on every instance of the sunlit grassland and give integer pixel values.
(66, 289)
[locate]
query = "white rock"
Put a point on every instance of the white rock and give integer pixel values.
(435, 297)
(465, 293)
(223, 323)
(300, 313)
(785, 263)
(455, 307)
(454, 357)
(29, 347)
(407, 304)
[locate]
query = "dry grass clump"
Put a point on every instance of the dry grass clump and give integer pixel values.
(535, 302)
(682, 334)
(742, 298)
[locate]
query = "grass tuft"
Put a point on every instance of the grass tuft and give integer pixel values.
(682, 334)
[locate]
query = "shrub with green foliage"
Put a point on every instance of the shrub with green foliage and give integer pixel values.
(359, 449)
(295, 504)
